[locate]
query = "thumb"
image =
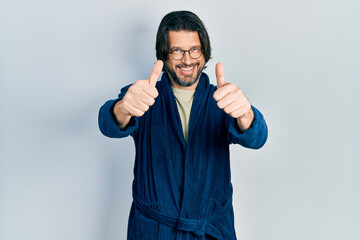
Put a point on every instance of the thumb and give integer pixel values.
(220, 77)
(156, 72)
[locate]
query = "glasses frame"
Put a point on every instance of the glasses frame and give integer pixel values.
(184, 51)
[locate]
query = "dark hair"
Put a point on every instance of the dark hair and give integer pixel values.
(177, 21)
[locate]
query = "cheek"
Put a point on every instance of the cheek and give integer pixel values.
(202, 61)
(169, 64)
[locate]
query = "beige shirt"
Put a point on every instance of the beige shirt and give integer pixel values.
(184, 100)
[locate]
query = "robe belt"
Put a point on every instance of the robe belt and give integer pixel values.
(199, 227)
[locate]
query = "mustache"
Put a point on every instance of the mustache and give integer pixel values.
(185, 65)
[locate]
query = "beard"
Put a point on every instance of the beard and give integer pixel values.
(180, 81)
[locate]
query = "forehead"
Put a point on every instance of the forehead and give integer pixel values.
(183, 39)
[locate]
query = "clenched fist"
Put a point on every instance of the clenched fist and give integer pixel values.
(230, 98)
(139, 97)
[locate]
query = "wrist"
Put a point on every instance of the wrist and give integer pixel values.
(121, 119)
(244, 122)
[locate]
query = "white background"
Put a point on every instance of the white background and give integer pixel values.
(297, 61)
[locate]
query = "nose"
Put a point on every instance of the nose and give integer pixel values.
(186, 59)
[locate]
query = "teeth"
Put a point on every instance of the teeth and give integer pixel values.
(187, 69)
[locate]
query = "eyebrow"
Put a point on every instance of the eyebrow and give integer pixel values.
(197, 46)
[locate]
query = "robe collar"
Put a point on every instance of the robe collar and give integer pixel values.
(198, 102)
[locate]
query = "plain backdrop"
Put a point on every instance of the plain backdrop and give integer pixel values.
(298, 61)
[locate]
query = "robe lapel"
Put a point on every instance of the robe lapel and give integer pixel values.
(199, 102)
(198, 106)
(171, 103)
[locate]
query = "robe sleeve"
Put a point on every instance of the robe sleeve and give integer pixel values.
(107, 122)
(255, 137)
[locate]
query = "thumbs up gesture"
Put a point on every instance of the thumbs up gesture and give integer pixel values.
(230, 98)
(139, 97)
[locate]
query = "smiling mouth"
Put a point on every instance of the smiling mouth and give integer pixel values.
(187, 70)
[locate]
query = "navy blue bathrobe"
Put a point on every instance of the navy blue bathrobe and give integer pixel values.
(182, 191)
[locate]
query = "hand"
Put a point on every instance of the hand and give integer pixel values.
(139, 97)
(230, 98)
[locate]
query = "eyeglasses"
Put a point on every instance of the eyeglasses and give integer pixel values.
(178, 54)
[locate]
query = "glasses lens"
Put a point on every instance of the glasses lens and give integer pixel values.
(178, 55)
(195, 54)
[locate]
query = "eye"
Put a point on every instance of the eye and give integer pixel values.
(176, 50)
(195, 49)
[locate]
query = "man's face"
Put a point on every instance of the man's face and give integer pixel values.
(184, 73)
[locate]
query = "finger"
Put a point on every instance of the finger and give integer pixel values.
(139, 105)
(136, 112)
(220, 77)
(132, 110)
(231, 108)
(240, 112)
(226, 100)
(143, 87)
(146, 99)
(151, 91)
(225, 90)
(156, 72)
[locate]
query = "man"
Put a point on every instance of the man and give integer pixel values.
(182, 127)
